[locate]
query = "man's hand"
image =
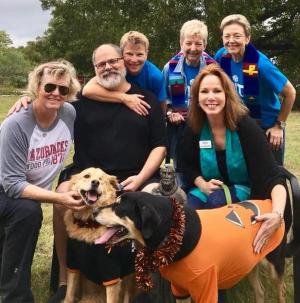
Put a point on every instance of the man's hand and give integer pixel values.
(136, 103)
(132, 183)
(22, 102)
(275, 135)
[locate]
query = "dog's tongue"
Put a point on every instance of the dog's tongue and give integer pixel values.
(92, 196)
(108, 234)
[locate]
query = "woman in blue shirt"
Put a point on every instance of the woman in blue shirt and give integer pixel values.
(257, 80)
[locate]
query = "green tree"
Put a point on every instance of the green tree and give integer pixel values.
(5, 41)
(13, 65)
(78, 26)
(13, 68)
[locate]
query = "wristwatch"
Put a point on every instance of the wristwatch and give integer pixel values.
(281, 124)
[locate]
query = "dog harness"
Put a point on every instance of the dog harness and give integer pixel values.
(224, 253)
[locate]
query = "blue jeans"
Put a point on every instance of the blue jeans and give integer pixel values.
(20, 222)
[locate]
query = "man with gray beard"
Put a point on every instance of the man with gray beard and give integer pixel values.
(114, 138)
(110, 77)
(111, 136)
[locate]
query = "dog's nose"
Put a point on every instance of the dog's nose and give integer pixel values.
(95, 183)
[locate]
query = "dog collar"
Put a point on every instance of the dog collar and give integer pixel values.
(96, 210)
(89, 223)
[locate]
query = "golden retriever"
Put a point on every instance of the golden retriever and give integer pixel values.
(97, 189)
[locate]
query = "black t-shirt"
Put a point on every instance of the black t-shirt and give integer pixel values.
(113, 137)
(116, 139)
(97, 264)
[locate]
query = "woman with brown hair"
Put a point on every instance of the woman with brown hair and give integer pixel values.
(222, 145)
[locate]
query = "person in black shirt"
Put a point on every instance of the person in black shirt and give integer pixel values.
(114, 138)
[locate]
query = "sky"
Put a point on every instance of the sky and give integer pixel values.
(23, 20)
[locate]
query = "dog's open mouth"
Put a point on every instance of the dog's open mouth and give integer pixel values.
(113, 235)
(89, 197)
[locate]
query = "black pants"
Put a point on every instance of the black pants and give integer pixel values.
(20, 222)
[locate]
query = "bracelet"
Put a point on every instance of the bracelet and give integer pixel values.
(279, 214)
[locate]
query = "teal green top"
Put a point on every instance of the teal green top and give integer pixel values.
(235, 161)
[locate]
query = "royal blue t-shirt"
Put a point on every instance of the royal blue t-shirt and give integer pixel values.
(150, 78)
(271, 84)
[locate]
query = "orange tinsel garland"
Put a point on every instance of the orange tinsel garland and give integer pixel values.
(147, 261)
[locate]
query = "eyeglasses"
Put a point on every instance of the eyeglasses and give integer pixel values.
(112, 62)
(50, 87)
(236, 37)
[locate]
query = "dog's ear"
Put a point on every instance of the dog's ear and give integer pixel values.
(150, 219)
(113, 181)
(74, 179)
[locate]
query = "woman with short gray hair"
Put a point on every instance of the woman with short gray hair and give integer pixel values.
(257, 80)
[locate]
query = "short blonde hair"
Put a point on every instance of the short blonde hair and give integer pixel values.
(134, 38)
(194, 27)
(237, 19)
(234, 108)
(57, 69)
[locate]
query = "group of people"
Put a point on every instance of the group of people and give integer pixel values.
(119, 125)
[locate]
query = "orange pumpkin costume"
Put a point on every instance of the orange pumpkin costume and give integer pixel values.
(224, 253)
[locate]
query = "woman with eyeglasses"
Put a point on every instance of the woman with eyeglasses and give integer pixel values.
(257, 80)
(33, 145)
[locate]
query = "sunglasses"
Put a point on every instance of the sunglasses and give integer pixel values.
(50, 87)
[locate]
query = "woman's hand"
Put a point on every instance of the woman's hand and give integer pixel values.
(136, 103)
(71, 200)
(208, 187)
(22, 102)
(270, 223)
(275, 135)
(175, 118)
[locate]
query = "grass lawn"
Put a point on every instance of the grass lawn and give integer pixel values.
(240, 294)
